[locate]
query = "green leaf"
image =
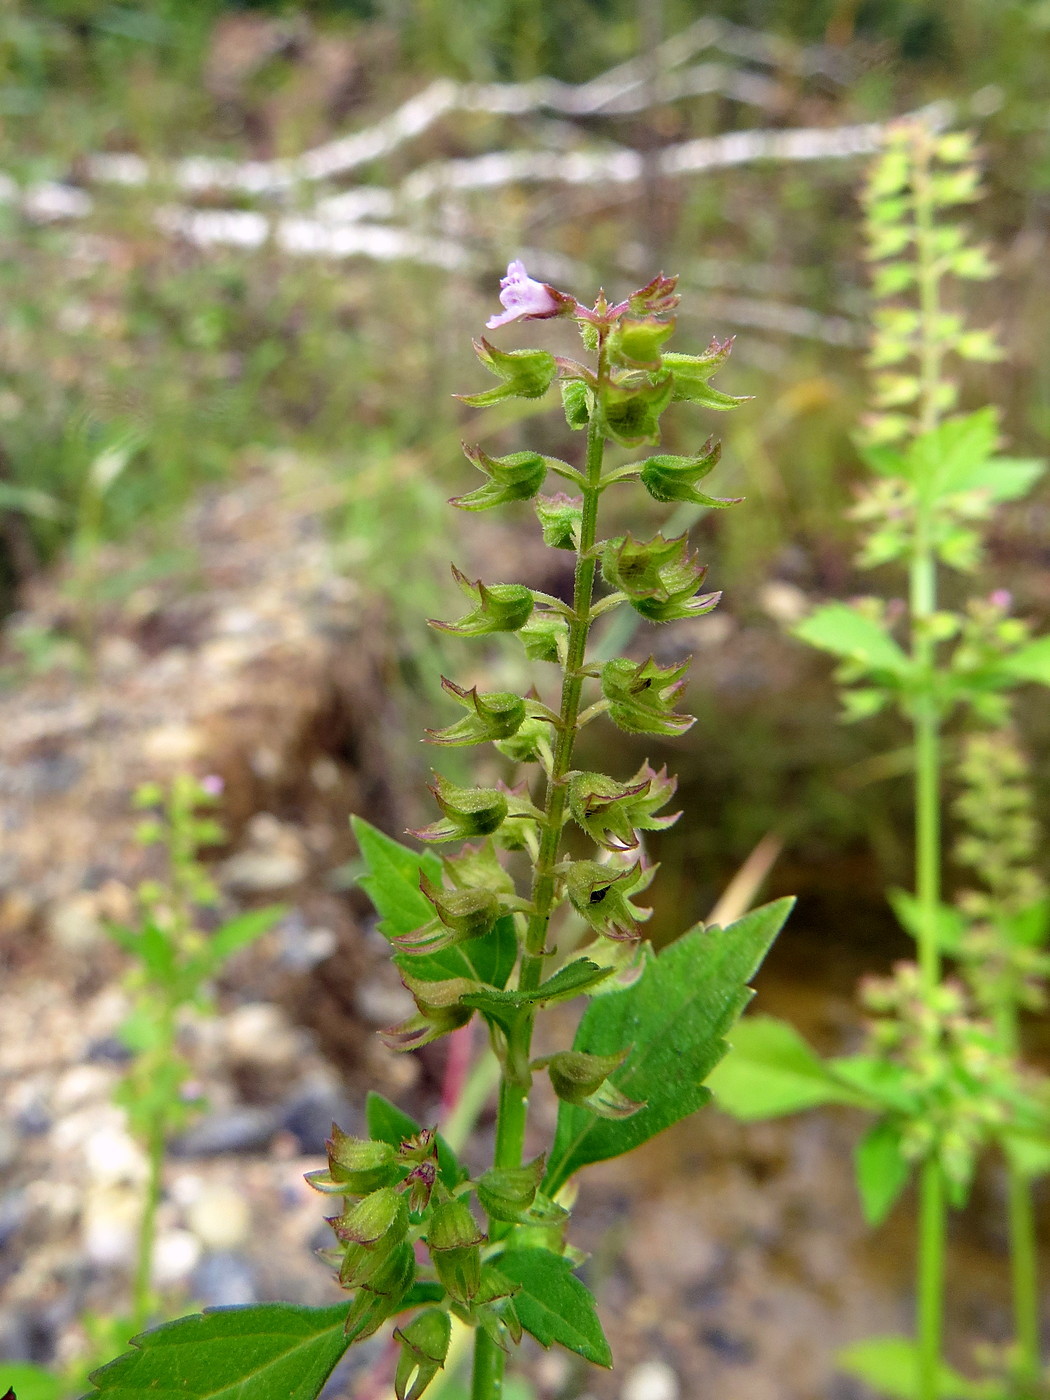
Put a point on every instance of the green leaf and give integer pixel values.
(880, 1081)
(553, 1304)
(241, 931)
(391, 882)
(1027, 1153)
(29, 1382)
(882, 1172)
(945, 460)
(770, 1070)
(1004, 478)
(388, 1123)
(891, 1365)
(950, 927)
(844, 632)
(673, 1019)
(1031, 662)
(267, 1351)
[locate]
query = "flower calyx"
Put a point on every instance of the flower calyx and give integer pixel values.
(380, 1295)
(658, 297)
(660, 577)
(613, 813)
(512, 1195)
(631, 407)
(461, 914)
(492, 716)
(516, 477)
(669, 479)
(642, 696)
(692, 372)
(600, 893)
(636, 341)
(583, 1079)
(356, 1166)
(439, 1012)
(454, 1240)
(424, 1347)
(371, 1233)
(466, 812)
(526, 374)
(498, 607)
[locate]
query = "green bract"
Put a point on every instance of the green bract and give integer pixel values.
(496, 715)
(642, 696)
(467, 812)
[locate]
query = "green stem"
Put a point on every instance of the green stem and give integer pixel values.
(927, 722)
(512, 1112)
(933, 1220)
(142, 1296)
(489, 1362)
(1024, 1269)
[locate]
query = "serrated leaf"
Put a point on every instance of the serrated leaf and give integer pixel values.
(891, 1365)
(553, 1305)
(388, 1123)
(240, 932)
(392, 884)
(674, 1018)
(266, 1351)
(770, 1070)
(1004, 478)
(944, 460)
(844, 632)
(882, 1171)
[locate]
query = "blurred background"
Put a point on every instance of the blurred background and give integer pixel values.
(243, 251)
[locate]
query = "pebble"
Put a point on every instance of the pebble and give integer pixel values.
(263, 872)
(220, 1217)
(109, 1224)
(176, 1254)
(259, 1034)
(309, 1116)
(112, 1156)
(222, 1280)
(73, 924)
(238, 1130)
(652, 1380)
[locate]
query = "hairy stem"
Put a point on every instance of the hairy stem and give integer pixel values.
(142, 1293)
(512, 1111)
(1024, 1273)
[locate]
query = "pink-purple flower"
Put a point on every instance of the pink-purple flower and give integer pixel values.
(525, 299)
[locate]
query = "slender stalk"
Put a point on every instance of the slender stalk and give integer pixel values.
(923, 600)
(142, 1294)
(512, 1112)
(1024, 1271)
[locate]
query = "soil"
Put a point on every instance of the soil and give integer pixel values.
(729, 1261)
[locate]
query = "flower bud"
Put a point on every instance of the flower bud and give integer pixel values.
(637, 341)
(381, 1216)
(454, 1241)
(499, 607)
(656, 298)
(467, 812)
(631, 412)
(560, 517)
(516, 477)
(461, 914)
(526, 374)
(670, 479)
(424, 1347)
(496, 715)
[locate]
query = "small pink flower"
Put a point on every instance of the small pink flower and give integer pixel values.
(213, 785)
(1002, 599)
(525, 299)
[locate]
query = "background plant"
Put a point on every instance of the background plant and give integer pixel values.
(175, 961)
(943, 1073)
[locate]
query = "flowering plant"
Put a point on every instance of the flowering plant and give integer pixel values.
(424, 1242)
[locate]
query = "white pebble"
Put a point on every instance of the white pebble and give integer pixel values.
(220, 1217)
(175, 1255)
(652, 1380)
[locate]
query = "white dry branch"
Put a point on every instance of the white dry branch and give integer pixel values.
(423, 218)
